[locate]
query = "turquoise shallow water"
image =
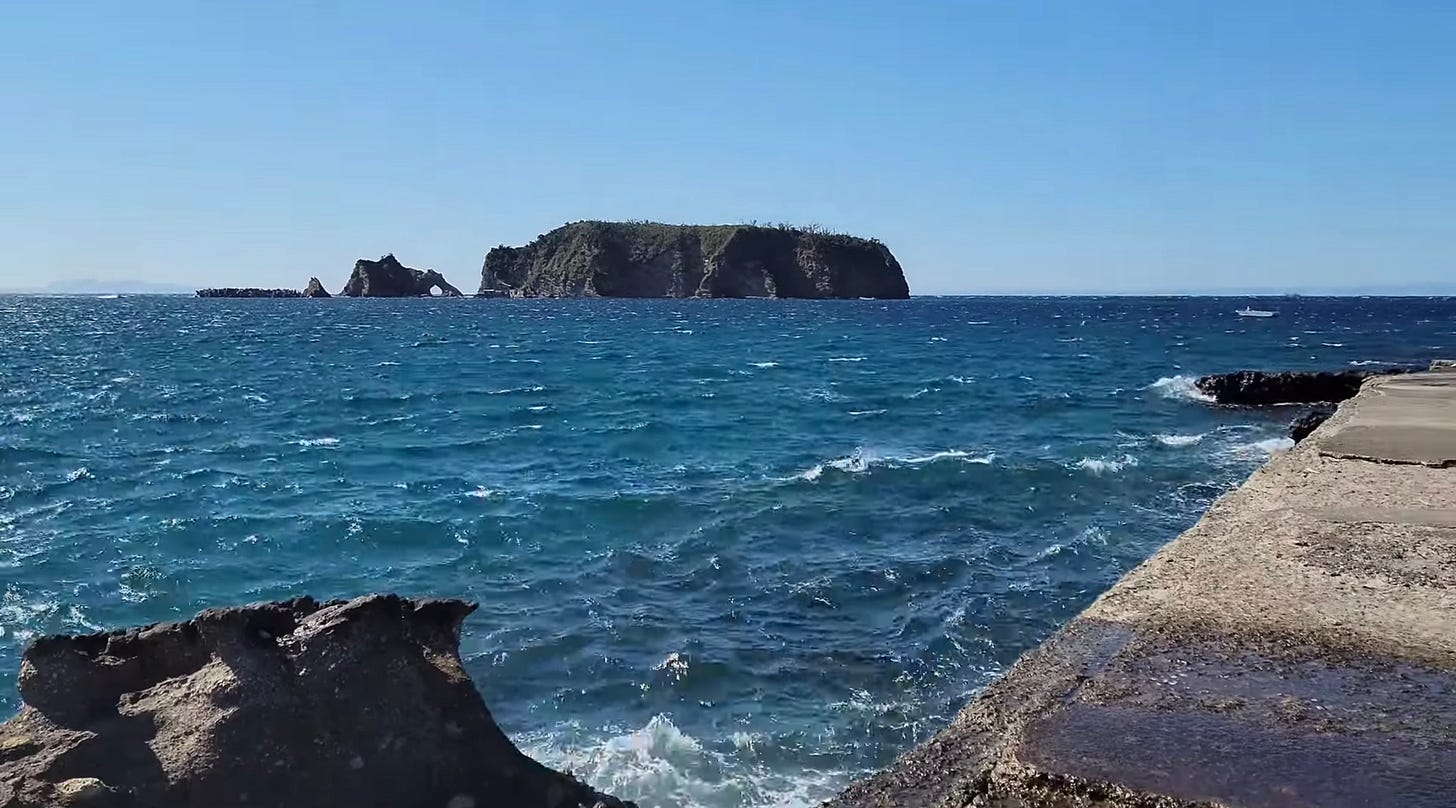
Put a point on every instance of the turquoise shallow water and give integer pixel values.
(729, 553)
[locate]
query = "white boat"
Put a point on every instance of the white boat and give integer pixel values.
(1254, 313)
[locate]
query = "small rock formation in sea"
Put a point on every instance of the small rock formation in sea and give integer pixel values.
(232, 291)
(1254, 388)
(315, 289)
(387, 277)
(644, 259)
(1301, 427)
(295, 704)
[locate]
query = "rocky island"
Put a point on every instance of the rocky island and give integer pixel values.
(294, 704)
(233, 291)
(644, 259)
(387, 277)
(315, 288)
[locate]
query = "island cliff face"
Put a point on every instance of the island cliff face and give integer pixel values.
(616, 259)
(316, 288)
(295, 704)
(387, 277)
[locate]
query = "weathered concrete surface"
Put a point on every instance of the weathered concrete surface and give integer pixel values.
(1296, 647)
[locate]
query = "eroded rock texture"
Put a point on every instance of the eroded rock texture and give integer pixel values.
(291, 704)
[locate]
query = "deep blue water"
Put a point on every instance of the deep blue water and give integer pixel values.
(728, 553)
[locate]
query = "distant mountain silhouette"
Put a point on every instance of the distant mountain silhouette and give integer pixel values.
(92, 286)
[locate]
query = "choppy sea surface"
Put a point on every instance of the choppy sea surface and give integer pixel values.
(728, 553)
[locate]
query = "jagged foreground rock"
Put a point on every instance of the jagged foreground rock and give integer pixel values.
(645, 259)
(291, 704)
(387, 277)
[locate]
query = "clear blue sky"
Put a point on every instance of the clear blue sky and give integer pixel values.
(1054, 146)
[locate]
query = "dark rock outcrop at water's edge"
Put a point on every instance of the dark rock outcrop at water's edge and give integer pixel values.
(290, 704)
(232, 291)
(315, 288)
(1302, 426)
(643, 259)
(387, 277)
(1255, 388)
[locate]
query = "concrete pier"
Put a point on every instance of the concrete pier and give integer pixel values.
(1296, 647)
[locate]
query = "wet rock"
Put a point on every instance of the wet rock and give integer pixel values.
(646, 259)
(315, 289)
(1301, 427)
(387, 277)
(1255, 388)
(289, 704)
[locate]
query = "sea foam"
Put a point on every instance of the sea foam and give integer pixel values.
(862, 460)
(1180, 386)
(660, 765)
(1104, 465)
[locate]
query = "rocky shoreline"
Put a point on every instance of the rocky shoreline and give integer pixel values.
(1257, 388)
(287, 704)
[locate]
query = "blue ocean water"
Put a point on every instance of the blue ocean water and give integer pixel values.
(728, 553)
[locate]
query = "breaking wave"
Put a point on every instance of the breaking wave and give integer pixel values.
(1181, 387)
(1178, 440)
(659, 765)
(862, 460)
(1104, 465)
(1261, 448)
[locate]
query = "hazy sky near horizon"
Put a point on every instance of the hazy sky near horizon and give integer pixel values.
(1041, 146)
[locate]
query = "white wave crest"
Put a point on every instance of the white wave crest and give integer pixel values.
(1180, 386)
(949, 454)
(811, 474)
(1261, 448)
(659, 765)
(1103, 465)
(317, 442)
(1178, 440)
(847, 359)
(862, 460)
(764, 364)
